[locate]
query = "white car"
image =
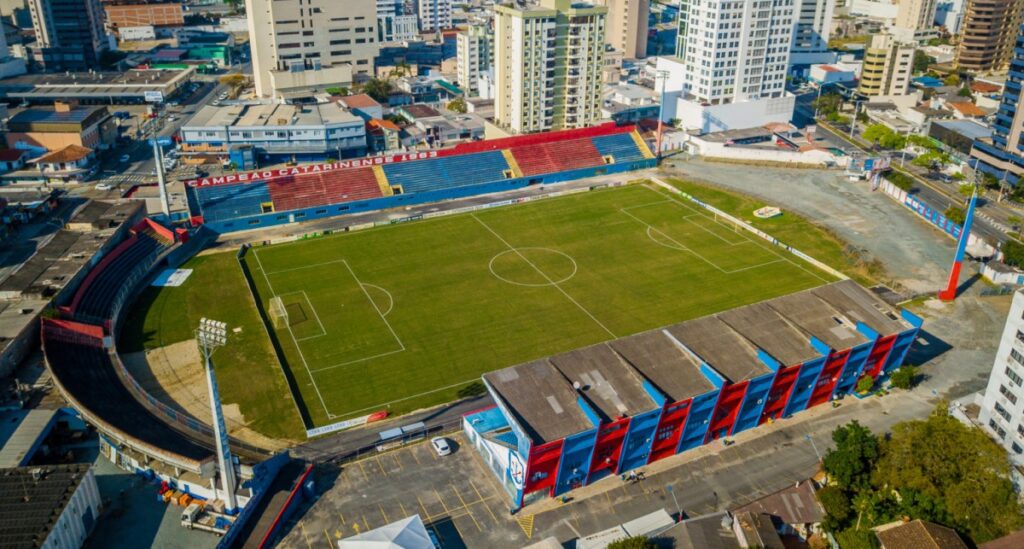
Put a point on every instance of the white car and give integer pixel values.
(125, 159)
(104, 187)
(441, 446)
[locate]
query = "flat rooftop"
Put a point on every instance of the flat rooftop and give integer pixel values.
(614, 389)
(541, 396)
(660, 360)
(267, 114)
(724, 349)
(19, 432)
(542, 399)
(30, 506)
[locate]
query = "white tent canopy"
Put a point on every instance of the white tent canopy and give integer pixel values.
(408, 533)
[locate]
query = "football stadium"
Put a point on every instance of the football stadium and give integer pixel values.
(613, 323)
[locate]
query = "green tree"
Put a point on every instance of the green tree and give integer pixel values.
(955, 214)
(921, 61)
(903, 377)
(827, 104)
(966, 92)
(865, 383)
(855, 454)
(837, 507)
(1013, 253)
(377, 88)
(922, 141)
(635, 542)
(876, 133)
(952, 80)
(933, 160)
(959, 467)
(457, 105)
(853, 538)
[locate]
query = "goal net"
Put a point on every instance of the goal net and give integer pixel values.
(278, 313)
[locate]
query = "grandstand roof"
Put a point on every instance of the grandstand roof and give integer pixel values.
(614, 390)
(541, 395)
(660, 360)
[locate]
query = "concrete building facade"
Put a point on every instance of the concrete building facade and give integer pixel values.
(731, 62)
(813, 29)
(547, 65)
(434, 15)
(1002, 405)
(301, 48)
(989, 31)
(888, 66)
(626, 27)
(474, 54)
(69, 34)
(915, 20)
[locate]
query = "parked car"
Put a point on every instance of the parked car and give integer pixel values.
(441, 446)
(104, 187)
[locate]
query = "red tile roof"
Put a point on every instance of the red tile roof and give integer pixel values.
(984, 87)
(968, 109)
(360, 100)
(384, 125)
(71, 153)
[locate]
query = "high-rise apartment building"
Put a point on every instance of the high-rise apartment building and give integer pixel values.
(626, 26)
(915, 20)
(547, 65)
(304, 46)
(1003, 154)
(888, 65)
(474, 54)
(434, 15)
(949, 14)
(731, 62)
(69, 34)
(813, 27)
(1002, 405)
(988, 33)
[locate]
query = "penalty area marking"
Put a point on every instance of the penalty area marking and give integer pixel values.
(323, 331)
(518, 252)
(391, 298)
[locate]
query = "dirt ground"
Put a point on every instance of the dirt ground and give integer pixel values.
(174, 375)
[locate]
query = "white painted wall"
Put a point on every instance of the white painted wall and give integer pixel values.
(734, 116)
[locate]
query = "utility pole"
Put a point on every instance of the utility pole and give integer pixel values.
(661, 111)
(853, 121)
(210, 335)
(158, 160)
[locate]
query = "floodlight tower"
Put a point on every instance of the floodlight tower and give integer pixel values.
(663, 74)
(212, 334)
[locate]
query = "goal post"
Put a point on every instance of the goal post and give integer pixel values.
(278, 313)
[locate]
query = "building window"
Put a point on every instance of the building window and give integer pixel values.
(1002, 411)
(1008, 394)
(1000, 432)
(1017, 356)
(1016, 379)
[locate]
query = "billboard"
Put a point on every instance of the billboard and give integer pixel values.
(153, 96)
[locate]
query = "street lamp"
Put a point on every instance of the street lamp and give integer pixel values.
(212, 334)
(679, 510)
(853, 121)
(811, 440)
(903, 155)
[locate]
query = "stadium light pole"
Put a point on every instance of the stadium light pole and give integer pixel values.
(212, 334)
(663, 74)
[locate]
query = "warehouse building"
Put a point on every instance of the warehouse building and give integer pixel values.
(569, 420)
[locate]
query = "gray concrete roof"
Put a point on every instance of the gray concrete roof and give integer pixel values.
(860, 305)
(664, 364)
(20, 431)
(729, 353)
(614, 389)
(768, 330)
(541, 398)
(819, 319)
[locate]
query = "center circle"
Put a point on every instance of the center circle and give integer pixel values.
(533, 267)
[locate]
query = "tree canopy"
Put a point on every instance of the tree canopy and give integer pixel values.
(635, 542)
(884, 136)
(377, 88)
(1013, 253)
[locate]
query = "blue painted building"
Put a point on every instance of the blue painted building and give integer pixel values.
(572, 419)
(1002, 155)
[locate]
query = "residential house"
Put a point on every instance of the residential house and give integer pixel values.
(917, 534)
(12, 159)
(383, 136)
(39, 130)
(362, 105)
(794, 510)
(72, 164)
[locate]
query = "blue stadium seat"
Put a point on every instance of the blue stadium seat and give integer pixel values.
(620, 147)
(226, 202)
(447, 172)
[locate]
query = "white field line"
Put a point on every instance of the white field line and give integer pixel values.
(323, 331)
(543, 274)
(313, 266)
(762, 245)
(410, 397)
(362, 287)
(696, 213)
(303, 357)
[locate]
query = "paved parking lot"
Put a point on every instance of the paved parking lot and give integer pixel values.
(456, 498)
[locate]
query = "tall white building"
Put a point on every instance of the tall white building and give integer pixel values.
(474, 54)
(547, 65)
(1002, 405)
(730, 67)
(434, 15)
(813, 27)
(300, 47)
(626, 28)
(949, 14)
(915, 20)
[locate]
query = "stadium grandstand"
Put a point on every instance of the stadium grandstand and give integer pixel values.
(138, 432)
(571, 419)
(271, 197)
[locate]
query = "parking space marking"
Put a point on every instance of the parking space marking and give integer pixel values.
(488, 507)
(367, 523)
(363, 469)
(466, 507)
(414, 457)
(441, 500)
(385, 515)
(304, 535)
(404, 512)
(342, 517)
(424, 507)
(381, 465)
(397, 461)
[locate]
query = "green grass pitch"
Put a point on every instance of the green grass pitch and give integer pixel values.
(406, 316)
(410, 315)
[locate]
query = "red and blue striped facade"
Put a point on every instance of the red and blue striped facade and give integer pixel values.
(687, 400)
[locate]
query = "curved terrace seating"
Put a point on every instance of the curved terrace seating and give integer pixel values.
(95, 298)
(86, 372)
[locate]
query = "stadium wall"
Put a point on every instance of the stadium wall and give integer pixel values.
(402, 200)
